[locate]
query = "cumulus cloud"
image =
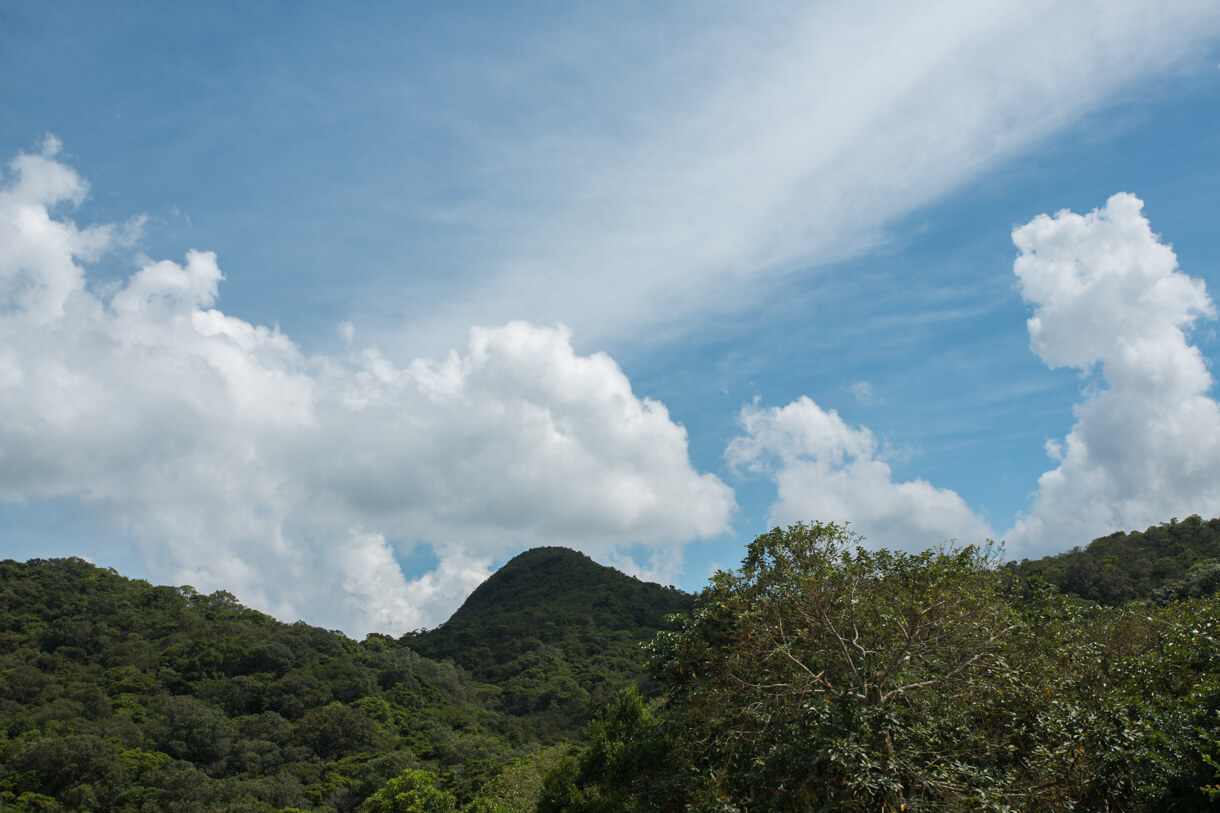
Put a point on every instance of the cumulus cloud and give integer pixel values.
(827, 470)
(233, 460)
(1109, 300)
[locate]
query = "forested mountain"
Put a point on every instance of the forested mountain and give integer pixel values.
(119, 695)
(1124, 567)
(819, 675)
(556, 632)
(557, 597)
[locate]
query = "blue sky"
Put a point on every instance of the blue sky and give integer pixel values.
(338, 311)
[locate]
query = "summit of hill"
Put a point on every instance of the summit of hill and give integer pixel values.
(555, 631)
(554, 588)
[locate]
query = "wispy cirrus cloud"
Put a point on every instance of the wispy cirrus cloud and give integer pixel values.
(761, 140)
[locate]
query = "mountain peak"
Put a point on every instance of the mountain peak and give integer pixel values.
(550, 597)
(543, 577)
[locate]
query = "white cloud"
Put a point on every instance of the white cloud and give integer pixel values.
(826, 470)
(235, 461)
(662, 567)
(779, 137)
(862, 391)
(346, 331)
(1108, 299)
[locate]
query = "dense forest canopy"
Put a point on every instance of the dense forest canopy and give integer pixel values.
(1128, 566)
(818, 675)
(824, 676)
(118, 695)
(556, 632)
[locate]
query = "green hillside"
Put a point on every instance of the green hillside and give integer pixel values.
(819, 675)
(1128, 566)
(556, 632)
(119, 695)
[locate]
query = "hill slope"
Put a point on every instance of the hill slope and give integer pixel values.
(119, 695)
(1124, 567)
(557, 632)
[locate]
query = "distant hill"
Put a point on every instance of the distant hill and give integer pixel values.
(553, 595)
(557, 632)
(1170, 557)
(119, 695)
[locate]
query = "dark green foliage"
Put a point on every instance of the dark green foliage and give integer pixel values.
(189, 729)
(822, 676)
(558, 634)
(414, 791)
(627, 765)
(1203, 579)
(818, 676)
(519, 786)
(1125, 567)
(336, 730)
(117, 695)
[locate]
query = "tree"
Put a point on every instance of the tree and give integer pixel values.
(414, 791)
(822, 675)
(335, 730)
(192, 730)
(518, 787)
(625, 766)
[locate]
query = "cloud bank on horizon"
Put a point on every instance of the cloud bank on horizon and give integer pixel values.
(234, 461)
(823, 468)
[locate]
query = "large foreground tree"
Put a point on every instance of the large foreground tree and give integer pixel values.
(825, 676)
